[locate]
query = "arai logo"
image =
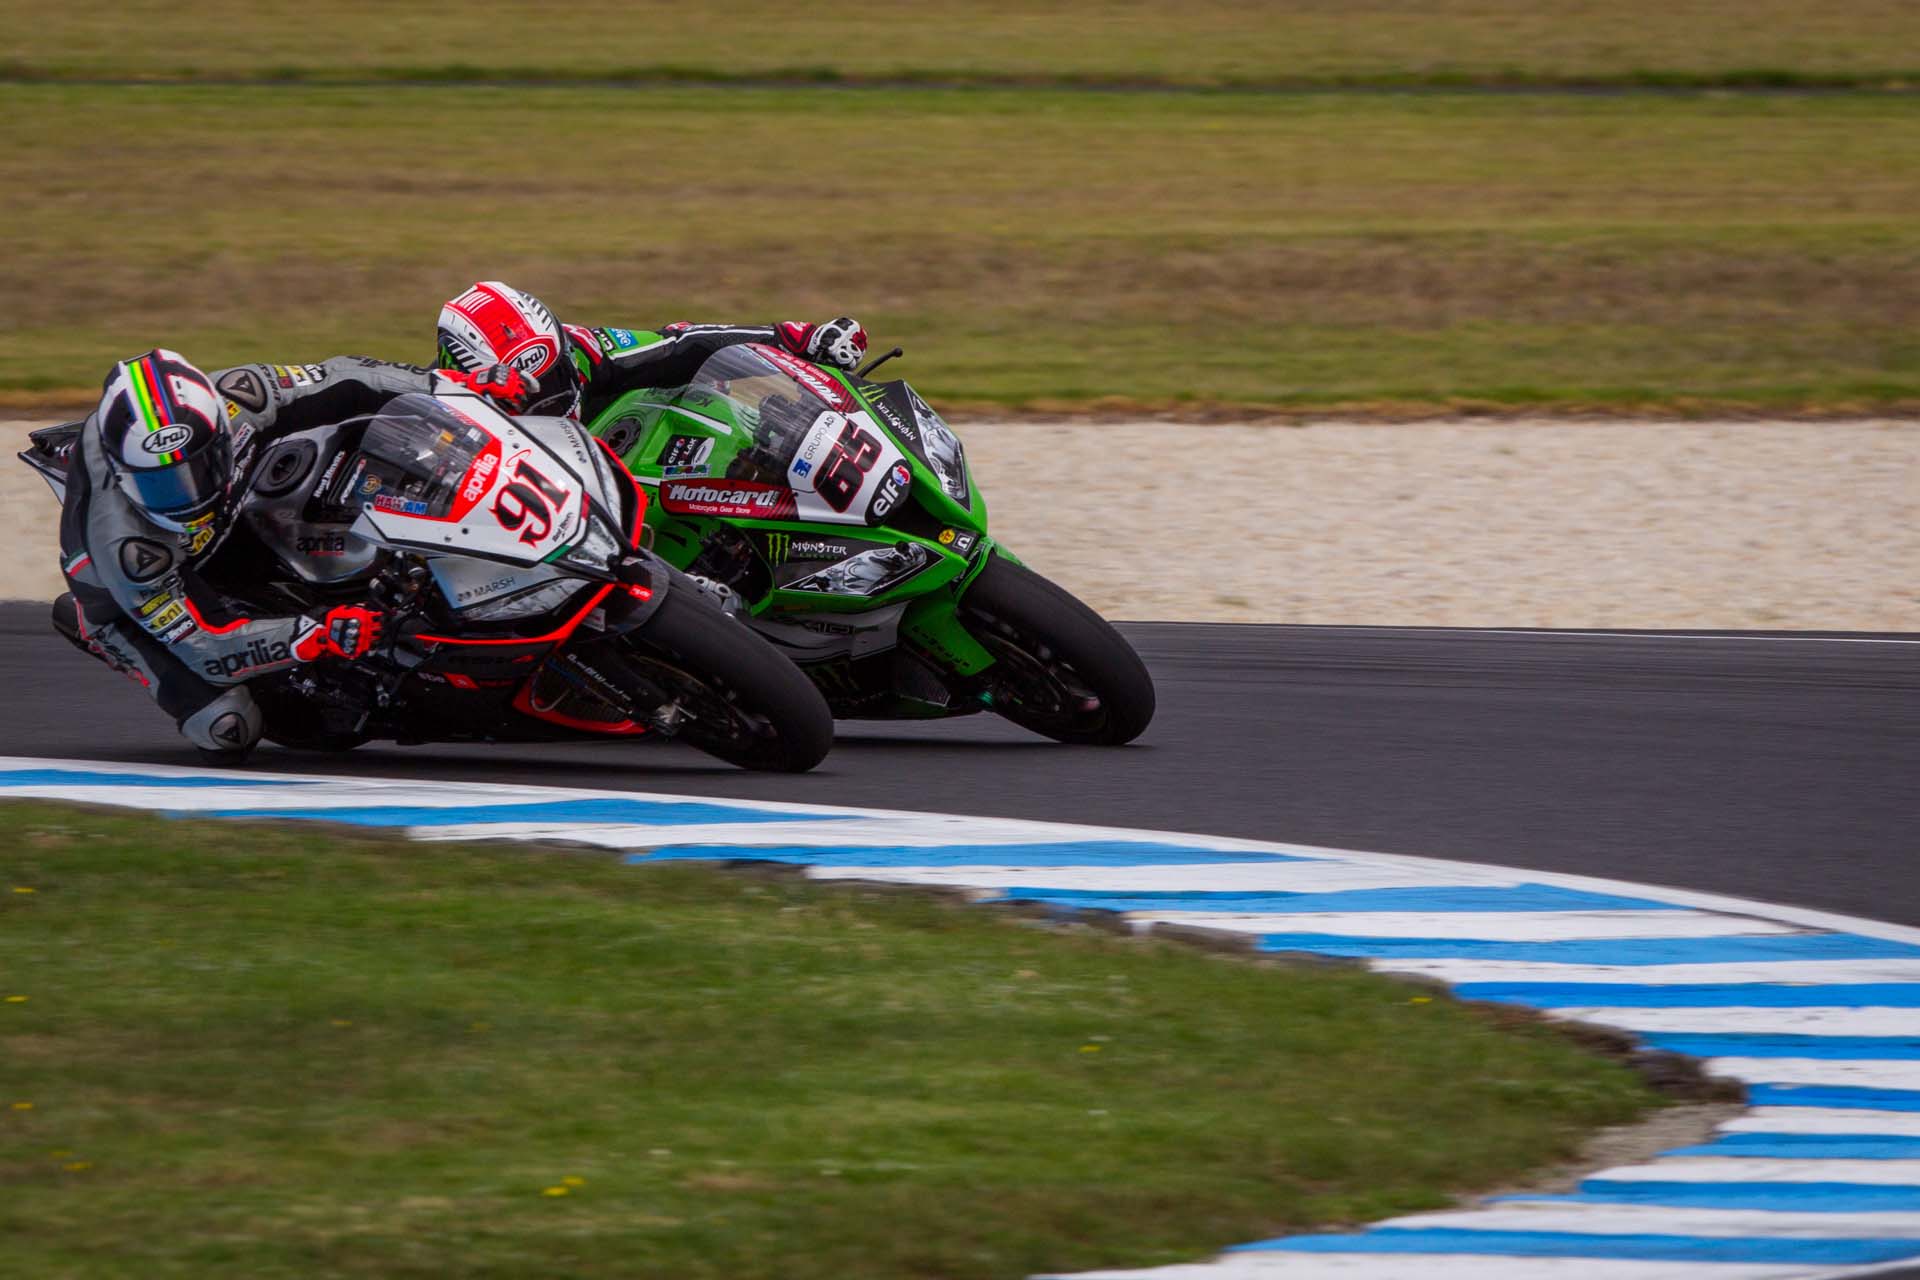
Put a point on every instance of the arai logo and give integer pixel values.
(167, 439)
(534, 355)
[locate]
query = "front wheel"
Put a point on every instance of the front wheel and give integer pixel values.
(729, 692)
(1059, 669)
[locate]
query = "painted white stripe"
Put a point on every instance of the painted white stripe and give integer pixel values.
(1218, 877)
(1479, 926)
(1767, 1021)
(1812, 972)
(1454, 1266)
(1844, 1120)
(1886, 1173)
(1869, 1074)
(1254, 870)
(1621, 1219)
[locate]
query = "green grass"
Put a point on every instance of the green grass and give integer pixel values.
(1203, 42)
(1024, 246)
(268, 1052)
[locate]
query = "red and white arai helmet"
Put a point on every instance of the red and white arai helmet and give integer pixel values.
(494, 323)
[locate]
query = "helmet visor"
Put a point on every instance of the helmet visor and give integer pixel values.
(559, 394)
(185, 488)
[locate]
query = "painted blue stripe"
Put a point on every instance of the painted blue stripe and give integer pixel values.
(1525, 897)
(1704, 1044)
(1841, 1097)
(1746, 995)
(1566, 1244)
(609, 810)
(1605, 951)
(1807, 1197)
(1808, 1146)
(93, 778)
(1064, 853)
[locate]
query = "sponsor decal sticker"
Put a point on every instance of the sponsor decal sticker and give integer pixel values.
(479, 476)
(143, 560)
(166, 439)
(891, 490)
(245, 388)
(685, 451)
(257, 653)
(743, 499)
(398, 505)
(782, 547)
(325, 543)
(810, 377)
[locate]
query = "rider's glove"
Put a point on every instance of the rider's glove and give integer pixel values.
(501, 383)
(840, 343)
(348, 631)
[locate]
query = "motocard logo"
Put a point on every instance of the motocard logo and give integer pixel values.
(478, 478)
(257, 654)
(167, 439)
(739, 498)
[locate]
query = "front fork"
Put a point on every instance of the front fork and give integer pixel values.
(933, 624)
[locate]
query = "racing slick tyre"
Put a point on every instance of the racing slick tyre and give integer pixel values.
(1059, 669)
(741, 700)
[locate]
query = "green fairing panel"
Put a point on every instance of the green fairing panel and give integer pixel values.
(810, 565)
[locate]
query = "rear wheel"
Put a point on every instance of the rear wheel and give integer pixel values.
(1060, 669)
(728, 691)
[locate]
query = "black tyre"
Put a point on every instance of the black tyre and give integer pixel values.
(1060, 669)
(742, 701)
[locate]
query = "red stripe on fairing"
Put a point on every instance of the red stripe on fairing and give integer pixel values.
(555, 636)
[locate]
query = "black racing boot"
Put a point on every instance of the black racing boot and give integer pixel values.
(66, 620)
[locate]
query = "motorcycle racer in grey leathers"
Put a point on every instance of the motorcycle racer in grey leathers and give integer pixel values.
(149, 481)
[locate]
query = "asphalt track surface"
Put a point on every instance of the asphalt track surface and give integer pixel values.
(1781, 768)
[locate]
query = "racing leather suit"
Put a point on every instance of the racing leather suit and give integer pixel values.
(142, 606)
(616, 361)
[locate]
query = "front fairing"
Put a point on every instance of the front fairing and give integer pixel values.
(751, 448)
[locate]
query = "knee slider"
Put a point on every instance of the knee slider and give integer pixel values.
(230, 722)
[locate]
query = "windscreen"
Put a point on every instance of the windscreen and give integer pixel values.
(775, 409)
(412, 459)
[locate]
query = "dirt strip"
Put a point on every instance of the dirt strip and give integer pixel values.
(1451, 523)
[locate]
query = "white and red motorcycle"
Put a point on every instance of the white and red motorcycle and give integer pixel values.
(521, 604)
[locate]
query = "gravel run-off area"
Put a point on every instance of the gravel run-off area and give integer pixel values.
(1792, 525)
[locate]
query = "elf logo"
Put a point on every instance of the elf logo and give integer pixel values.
(258, 653)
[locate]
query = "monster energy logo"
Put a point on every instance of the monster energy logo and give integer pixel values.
(781, 548)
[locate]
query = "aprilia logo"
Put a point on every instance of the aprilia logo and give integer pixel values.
(258, 653)
(322, 544)
(482, 472)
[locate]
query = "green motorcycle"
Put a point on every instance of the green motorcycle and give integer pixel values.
(838, 517)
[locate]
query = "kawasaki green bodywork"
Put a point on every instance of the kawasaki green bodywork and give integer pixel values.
(706, 441)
